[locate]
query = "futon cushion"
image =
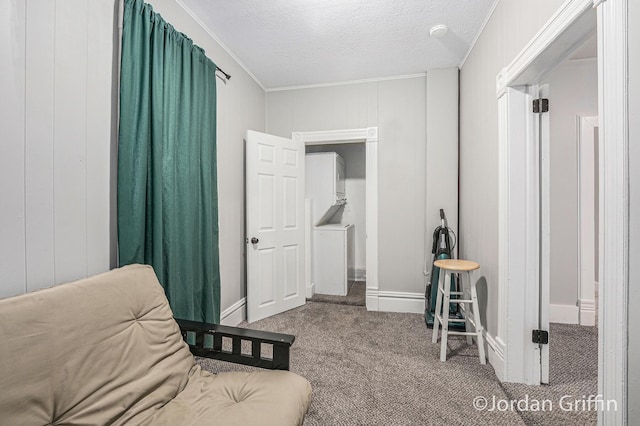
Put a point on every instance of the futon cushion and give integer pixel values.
(106, 350)
(102, 350)
(265, 398)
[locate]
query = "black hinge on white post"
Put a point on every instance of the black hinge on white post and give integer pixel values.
(540, 105)
(540, 336)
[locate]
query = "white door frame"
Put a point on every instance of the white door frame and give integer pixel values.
(585, 128)
(542, 137)
(368, 135)
(519, 194)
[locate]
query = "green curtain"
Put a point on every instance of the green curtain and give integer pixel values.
(167, 195)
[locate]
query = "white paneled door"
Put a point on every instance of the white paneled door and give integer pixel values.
(275, 225)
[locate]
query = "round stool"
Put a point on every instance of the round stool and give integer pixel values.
(468, 296)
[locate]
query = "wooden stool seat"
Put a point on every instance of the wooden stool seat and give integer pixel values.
(467, 295)
(457, 264)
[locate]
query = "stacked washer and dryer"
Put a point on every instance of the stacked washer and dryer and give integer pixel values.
(333, 244)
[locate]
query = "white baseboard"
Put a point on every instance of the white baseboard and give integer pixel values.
(310, 290)
(564, 314)
(587, 310)
(234, 314)
(495, 354)
(392, 301)
(371, 298)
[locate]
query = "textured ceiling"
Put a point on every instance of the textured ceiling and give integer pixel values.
(300, 42)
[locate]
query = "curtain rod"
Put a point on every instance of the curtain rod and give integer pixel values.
(226, 76)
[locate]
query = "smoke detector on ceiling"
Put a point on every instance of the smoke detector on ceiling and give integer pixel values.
(438, 31)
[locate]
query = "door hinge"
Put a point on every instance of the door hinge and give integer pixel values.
(540, 336)
(540, 105)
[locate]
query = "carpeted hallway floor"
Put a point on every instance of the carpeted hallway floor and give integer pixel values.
(355, 295)
(380, 368)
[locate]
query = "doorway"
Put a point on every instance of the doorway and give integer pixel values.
(569, 176)
(568, 218)
(519, 217)
(278, 263)
(338, 246)
(368, 137)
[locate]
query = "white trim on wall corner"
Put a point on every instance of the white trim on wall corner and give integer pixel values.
(613, 99)
(495, 354)
(587, 313)
(311, 290)
(308, 255)
(217, 40)
(371, 298)
(234, 314)
(564, 314)
(479, 33)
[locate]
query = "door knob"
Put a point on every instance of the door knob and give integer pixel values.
(254, 240)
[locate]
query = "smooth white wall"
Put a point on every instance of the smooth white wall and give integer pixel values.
(354, 211)
(633, 374)
(56, 111)
(573, 91)
(57, 156)
(241, 106)
(397, 107)
(511, 26)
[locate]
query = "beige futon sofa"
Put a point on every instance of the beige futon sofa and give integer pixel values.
(107, 350)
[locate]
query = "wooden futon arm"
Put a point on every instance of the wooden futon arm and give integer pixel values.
(281, 344)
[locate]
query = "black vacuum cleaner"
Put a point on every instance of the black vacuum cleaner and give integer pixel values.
(441, 248)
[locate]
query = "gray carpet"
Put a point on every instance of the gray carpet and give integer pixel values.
(380, 368)
(573, 371)
(355, 295)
